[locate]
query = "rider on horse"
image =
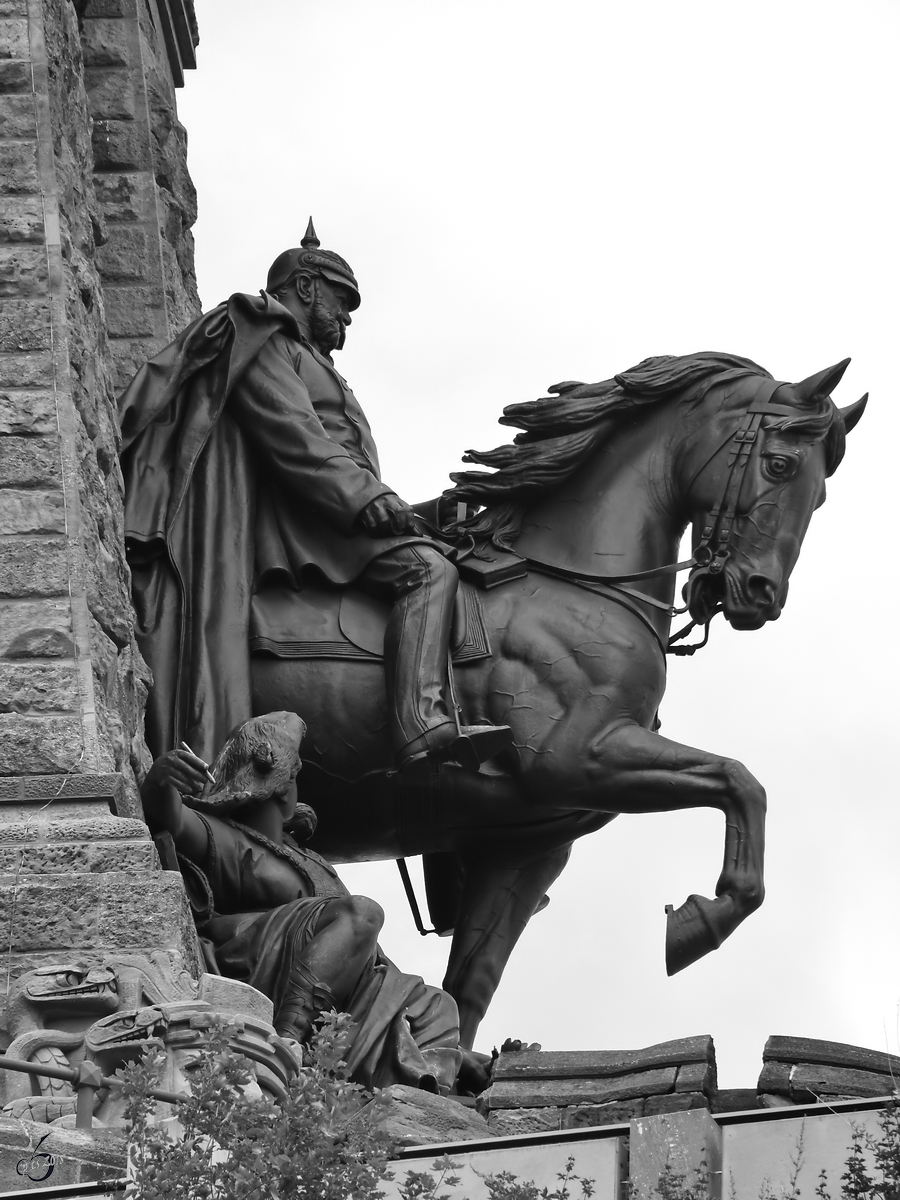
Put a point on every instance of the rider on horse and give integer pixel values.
(248, 462)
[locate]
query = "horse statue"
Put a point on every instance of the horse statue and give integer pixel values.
(576, 532)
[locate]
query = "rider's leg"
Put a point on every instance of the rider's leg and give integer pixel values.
(325, 972)
(422, 584)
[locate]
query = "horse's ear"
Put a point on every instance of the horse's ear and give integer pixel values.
(853, 412)
(822, 384)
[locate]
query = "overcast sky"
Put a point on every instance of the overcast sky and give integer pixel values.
(531, 192)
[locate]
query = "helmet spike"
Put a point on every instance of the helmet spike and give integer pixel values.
(309, 238)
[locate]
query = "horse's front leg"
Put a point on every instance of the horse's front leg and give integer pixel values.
(641, 772)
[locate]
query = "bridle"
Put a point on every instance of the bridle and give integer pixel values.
(714, 547)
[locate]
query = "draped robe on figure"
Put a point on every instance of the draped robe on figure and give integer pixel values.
(247, 460)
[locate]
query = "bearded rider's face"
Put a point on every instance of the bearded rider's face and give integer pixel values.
(329, 315)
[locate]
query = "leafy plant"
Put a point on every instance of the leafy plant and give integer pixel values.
(232, 1146)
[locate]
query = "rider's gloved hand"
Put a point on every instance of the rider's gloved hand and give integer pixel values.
(387, 516)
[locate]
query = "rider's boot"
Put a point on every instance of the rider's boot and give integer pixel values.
(416, 660)
(467, 745)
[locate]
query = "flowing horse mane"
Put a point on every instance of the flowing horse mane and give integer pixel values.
(561, 431)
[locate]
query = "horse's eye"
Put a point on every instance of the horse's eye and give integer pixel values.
(779, 466)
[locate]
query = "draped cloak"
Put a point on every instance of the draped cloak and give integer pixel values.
(247, 460)
(259, 905)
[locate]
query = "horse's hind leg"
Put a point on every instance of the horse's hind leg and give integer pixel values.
(636, 771)
(499, 897)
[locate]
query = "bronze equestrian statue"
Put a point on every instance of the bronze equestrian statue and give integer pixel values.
(574, 539)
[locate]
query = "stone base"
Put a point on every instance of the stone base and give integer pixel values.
(416, 1118)
(534, 1090)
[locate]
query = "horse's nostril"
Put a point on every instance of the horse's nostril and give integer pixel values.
(762, 590)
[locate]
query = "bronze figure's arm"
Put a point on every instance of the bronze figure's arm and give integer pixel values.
(176, 774)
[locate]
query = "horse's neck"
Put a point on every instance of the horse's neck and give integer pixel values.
(616, 515)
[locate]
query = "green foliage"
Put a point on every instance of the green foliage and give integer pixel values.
(231, 1145)
(506, 1186)
(420, 1185)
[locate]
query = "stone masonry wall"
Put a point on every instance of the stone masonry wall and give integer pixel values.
(96, 274)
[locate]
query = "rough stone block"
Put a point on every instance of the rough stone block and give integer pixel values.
(105, 43)
(130, 354)
(31, 512)
(416, 1118)
(26, 370)
(36, 629)
(233, 998)
(14, 77)
(14, 37)
(599, 1064)
(27, 412)
(110, 94)
(29, 461)
(99, 912)
(833, 1054)
(124, 257)
(132, 311)
(681, 1143)
(38, 687)
(508, 1122)
(106, 8)
(541, 1093)
(21, 219)
(587, 1117)
(24, 325)
(33, 568)
(79, 795)
(23, 271)
(18, 167)
(66, 858)
(13, 8)
(122, 195)
(39, 745)
(677, 1102)
(118, 145)
(17, 117)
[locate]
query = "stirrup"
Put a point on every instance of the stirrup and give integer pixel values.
(472, 745)
(478, 743)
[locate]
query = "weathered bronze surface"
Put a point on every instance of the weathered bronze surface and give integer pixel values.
(276, 916)
(574, 542)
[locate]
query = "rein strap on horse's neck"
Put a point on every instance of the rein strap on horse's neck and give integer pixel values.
(709, 556)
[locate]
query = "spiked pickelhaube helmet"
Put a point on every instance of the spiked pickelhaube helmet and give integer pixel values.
(310, 256)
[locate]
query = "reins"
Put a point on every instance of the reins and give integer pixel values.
(714, 547)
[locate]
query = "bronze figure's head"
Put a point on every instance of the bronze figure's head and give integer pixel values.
(318, 287)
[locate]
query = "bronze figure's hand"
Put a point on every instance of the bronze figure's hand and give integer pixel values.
(387, 516)
(180, 769)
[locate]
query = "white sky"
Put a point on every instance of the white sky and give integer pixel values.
(531, 192)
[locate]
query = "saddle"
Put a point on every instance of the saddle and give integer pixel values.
(320, 622)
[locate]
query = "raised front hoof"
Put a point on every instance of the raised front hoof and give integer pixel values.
(692, 931)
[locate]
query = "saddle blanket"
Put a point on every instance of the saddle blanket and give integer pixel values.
(327, 623)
